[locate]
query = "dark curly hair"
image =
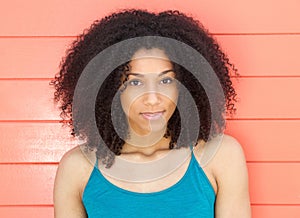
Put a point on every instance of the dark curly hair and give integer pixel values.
(129, 24)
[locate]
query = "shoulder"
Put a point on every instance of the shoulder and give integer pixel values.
(218, 149)
(74, 169)
(222, 158)
(230, 176)
(74, 159)
(222, 154)
(230, 172)
(72, 175)
(230, 148)
(230, 152)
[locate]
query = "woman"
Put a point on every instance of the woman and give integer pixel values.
(161, 151)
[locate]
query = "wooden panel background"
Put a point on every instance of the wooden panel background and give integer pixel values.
(262, 39)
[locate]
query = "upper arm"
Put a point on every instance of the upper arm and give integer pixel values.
(232, 180)
(68, 187)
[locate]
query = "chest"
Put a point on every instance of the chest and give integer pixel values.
(162, 183)
(179, 193)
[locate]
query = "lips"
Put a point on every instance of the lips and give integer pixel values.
(152, 115)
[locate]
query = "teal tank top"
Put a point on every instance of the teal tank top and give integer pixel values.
(191, 196)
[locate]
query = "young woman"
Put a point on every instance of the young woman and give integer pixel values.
(161, 151)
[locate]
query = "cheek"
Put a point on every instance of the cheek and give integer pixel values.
(125, 103)
(171, 97)
(128, 102)
(172, 106)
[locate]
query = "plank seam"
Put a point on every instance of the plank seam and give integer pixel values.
(274, 162)
(33, 121)
(271, 205)
(256, 34)
(30, 79)
(266, 76)
(29, 163)
(26, 205)
(259, 119)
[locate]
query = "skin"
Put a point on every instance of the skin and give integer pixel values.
(149, 99)
(227, 171)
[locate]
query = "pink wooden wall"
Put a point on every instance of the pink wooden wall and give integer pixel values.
(262, 38)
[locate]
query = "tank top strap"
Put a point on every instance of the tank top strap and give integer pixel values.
(96, 163)
(193, 158)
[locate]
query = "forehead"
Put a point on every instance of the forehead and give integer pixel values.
(150, 61)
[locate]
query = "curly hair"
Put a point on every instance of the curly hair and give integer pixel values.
(129, 24)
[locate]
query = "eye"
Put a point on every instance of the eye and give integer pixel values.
(166, 80)
(135, 82)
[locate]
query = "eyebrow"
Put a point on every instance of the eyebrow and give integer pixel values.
(141, 75)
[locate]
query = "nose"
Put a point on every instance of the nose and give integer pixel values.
(151, 98)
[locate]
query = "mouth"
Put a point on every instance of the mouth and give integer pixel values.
(152, 115)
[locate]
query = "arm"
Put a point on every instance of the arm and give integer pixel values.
(231, 175)
(70, 180)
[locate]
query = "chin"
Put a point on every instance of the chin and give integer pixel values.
(150, 128)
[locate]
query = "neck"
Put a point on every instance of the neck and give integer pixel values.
(146, 145)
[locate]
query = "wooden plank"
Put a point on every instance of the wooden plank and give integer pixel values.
(31, 57)
(27, 211)
(274, 183)
(271, 55)
(40, 57)
(33, 142)
(270, 183)
(27, 184)
(219, 16)
(270, 98)
(262, 140)
(27, 100)
(267, 140)
(258, 98)
(275, 211)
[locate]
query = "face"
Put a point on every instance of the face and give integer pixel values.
(150, 95)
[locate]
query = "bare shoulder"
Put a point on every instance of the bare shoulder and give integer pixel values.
(230, 147)
(75, 166)
(223, 158)
(75, 159)
(217, 150)
(220, 158)
(231, 175)
(72, 175)
(230, 153)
